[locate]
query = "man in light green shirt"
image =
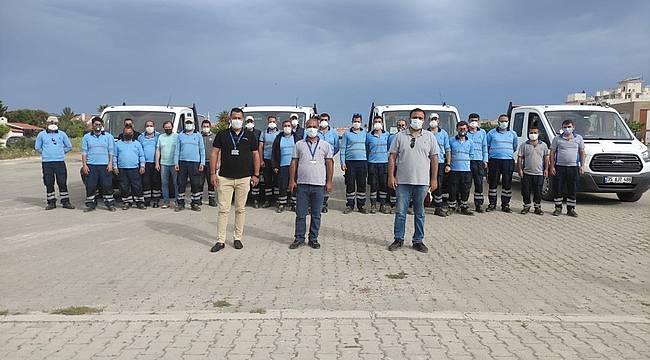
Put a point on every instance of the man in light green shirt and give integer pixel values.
(165, 160)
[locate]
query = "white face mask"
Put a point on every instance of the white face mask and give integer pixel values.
(294, 122)
(206, 130)
(236, 124)
(433, 124)
(324, 124)
(377, 126)
(250, 125)
(311, 132)
(417, 123)
(567, 130)
(53, 127)
(287, 130)
(272, 126)
(189, 127)
(356, 125)
(533, 137)
(473, 124)
(503, 125)
(149, 129)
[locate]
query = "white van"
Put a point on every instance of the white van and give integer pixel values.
(448, 116)
(114, 116)
(261, 113)
(616, 161)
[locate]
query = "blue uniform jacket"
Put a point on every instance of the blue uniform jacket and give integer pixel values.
(97, 148)
(353, 146)
(501, 144)
(128, 155)
(461, 152)
(189, 147)
(377, 147)
(52, 145)
(149, 146)
(479, 138)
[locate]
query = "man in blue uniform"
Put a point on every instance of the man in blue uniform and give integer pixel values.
(460, 174)
(377, 153)
(329, 135)
(208, 139)
(502, 144)
(479, 158)
(189, 160)
(151, 182)
(442, 137)
(282, 154)
(97, 159)
(129, 165)
(392, 195)
(270, 183)
(53, 144)
(354, 165)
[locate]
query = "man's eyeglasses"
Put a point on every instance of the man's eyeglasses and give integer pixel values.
(412, 143)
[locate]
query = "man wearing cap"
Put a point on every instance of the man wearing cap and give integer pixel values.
(53, 144)
(444, 158)
(255, 190)
(151, 186)
(354, 165)
(479, 158)
(129, 165)
(392, 196)
(502, 144)
(295, 123)
(415, 149)
(267, 137)
(377, 152)
(189, 160)
(327, 134)
(208, 139)
(97, 164)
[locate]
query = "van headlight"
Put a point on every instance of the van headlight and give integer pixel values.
(645, 156)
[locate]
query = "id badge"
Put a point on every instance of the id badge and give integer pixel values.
(234, 152)
(312, 161)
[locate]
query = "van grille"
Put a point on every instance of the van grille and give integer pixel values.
(616, 163)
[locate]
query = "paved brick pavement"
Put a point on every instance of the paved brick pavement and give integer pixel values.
(157, 261)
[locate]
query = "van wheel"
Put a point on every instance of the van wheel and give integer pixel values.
(547, 189)
(629, 196)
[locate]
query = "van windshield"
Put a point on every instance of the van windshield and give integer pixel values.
(595, 125)
(261, 117)
(447, 120)
(114, 120)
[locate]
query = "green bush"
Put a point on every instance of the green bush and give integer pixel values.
(635, 126)
(22, 143)
(4, 130)
(487, 126)
(74, 129)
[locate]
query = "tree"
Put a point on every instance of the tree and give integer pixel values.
(28, 116)
(224, 116)
(4, 130)
(67, 114)
(3, 109)
(101, 107)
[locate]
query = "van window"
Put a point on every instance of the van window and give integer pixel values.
(518, 123)
(533, 118)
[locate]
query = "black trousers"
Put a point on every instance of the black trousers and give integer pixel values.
(355, 183)
(55, 171)
(151, 184)
(189, 170)
(285, 196)
(532, 184)
(500, 169)
(97, 176)
(270, 184)
(378, 181)
(206, 176)
(565, 185)
(459, 184)
(437, 195)
(131, 186)
(478, 172)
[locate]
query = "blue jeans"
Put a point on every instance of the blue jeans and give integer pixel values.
(165, 172)
(406, 194)
(308, 196)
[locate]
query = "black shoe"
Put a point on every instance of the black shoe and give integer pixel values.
(142, 206)
(525, 210)
(324, 209)
(178, 208)
(195, 207)
(111, 209)
(154, 205)
(296, 244)
(373, 209)
(67, 205)
(218, 246)
(479, 210)
(395, 245)
(212, 202)
(506, 209)
(466, 211)
(125, 206)
(440, 212)
(50, 207)
(280, 209)
(420, 247)
(557, 211)
(572, 212)
(256, 204)
(539, 211)
(363, 210)
(491, 208)
(292, 207)
(89, 209)
(267, 204)
(238, 245)
(384, 209)
(348, 210)
(314, 245)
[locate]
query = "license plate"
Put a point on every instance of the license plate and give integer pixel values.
(618, 179)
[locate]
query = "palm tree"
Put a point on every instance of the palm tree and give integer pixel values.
(101, 107)
(67, 114)
(3, 108)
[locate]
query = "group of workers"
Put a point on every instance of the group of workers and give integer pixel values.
(405, 170)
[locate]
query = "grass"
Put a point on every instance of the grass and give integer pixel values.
(12, 153)
(76, 310)
(258, 311)
(4, 312)
(399, 275)
(221, 303)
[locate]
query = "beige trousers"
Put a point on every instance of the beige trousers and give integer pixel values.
(225, 192)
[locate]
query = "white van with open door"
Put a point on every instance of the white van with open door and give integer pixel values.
(448, 116)
(616, 162)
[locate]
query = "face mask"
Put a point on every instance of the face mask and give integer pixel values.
(462, 133)
(377, 126)
(311, 132)
(272, 126)
(236, 124)
(99, 128)
(417, 123)
(206, 130)
(287, 130)
(250, 126)
(356, 125)
(294, 122)
(189, 127)
(128, 137)
(324, 124)
(473, 124)
(53, 127)
(168, 131)
(533, 137)
(503, 125)
(149, 129)
(568, 130)
(433, 124)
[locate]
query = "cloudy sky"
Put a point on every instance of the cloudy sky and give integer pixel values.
(342, 55)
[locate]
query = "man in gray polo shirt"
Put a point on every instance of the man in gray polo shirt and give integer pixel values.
(417, 173)
(532, 166)
(310, 173)
(567, 164)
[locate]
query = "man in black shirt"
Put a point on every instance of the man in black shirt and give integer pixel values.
(235, 150)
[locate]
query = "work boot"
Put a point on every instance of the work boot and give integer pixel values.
(256, 204)
(89, 209)
(391, 209)
(491, 208)
(572, 212)
(212, 202)
(195, 207)
(384, 209)
(440, 212)
(50, 206)
(324, 209)
(348, 210)
(125, 206)
(155, 205)
(279, 209)
(479, 209)
(292, 207)
(466, 211)
(525, 210)
(538, 211)
(420, 247)
(557, 211)
(373, 209)
(141, 206)
(363, 210)
(67, 205)
(179, 208)
(111, 208)
(506, 209)
(395, 245)
(266, 204)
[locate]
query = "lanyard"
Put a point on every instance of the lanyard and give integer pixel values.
(313, 152)
(235, 145)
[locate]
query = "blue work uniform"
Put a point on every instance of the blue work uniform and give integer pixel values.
(53, 145)
(501, 146)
